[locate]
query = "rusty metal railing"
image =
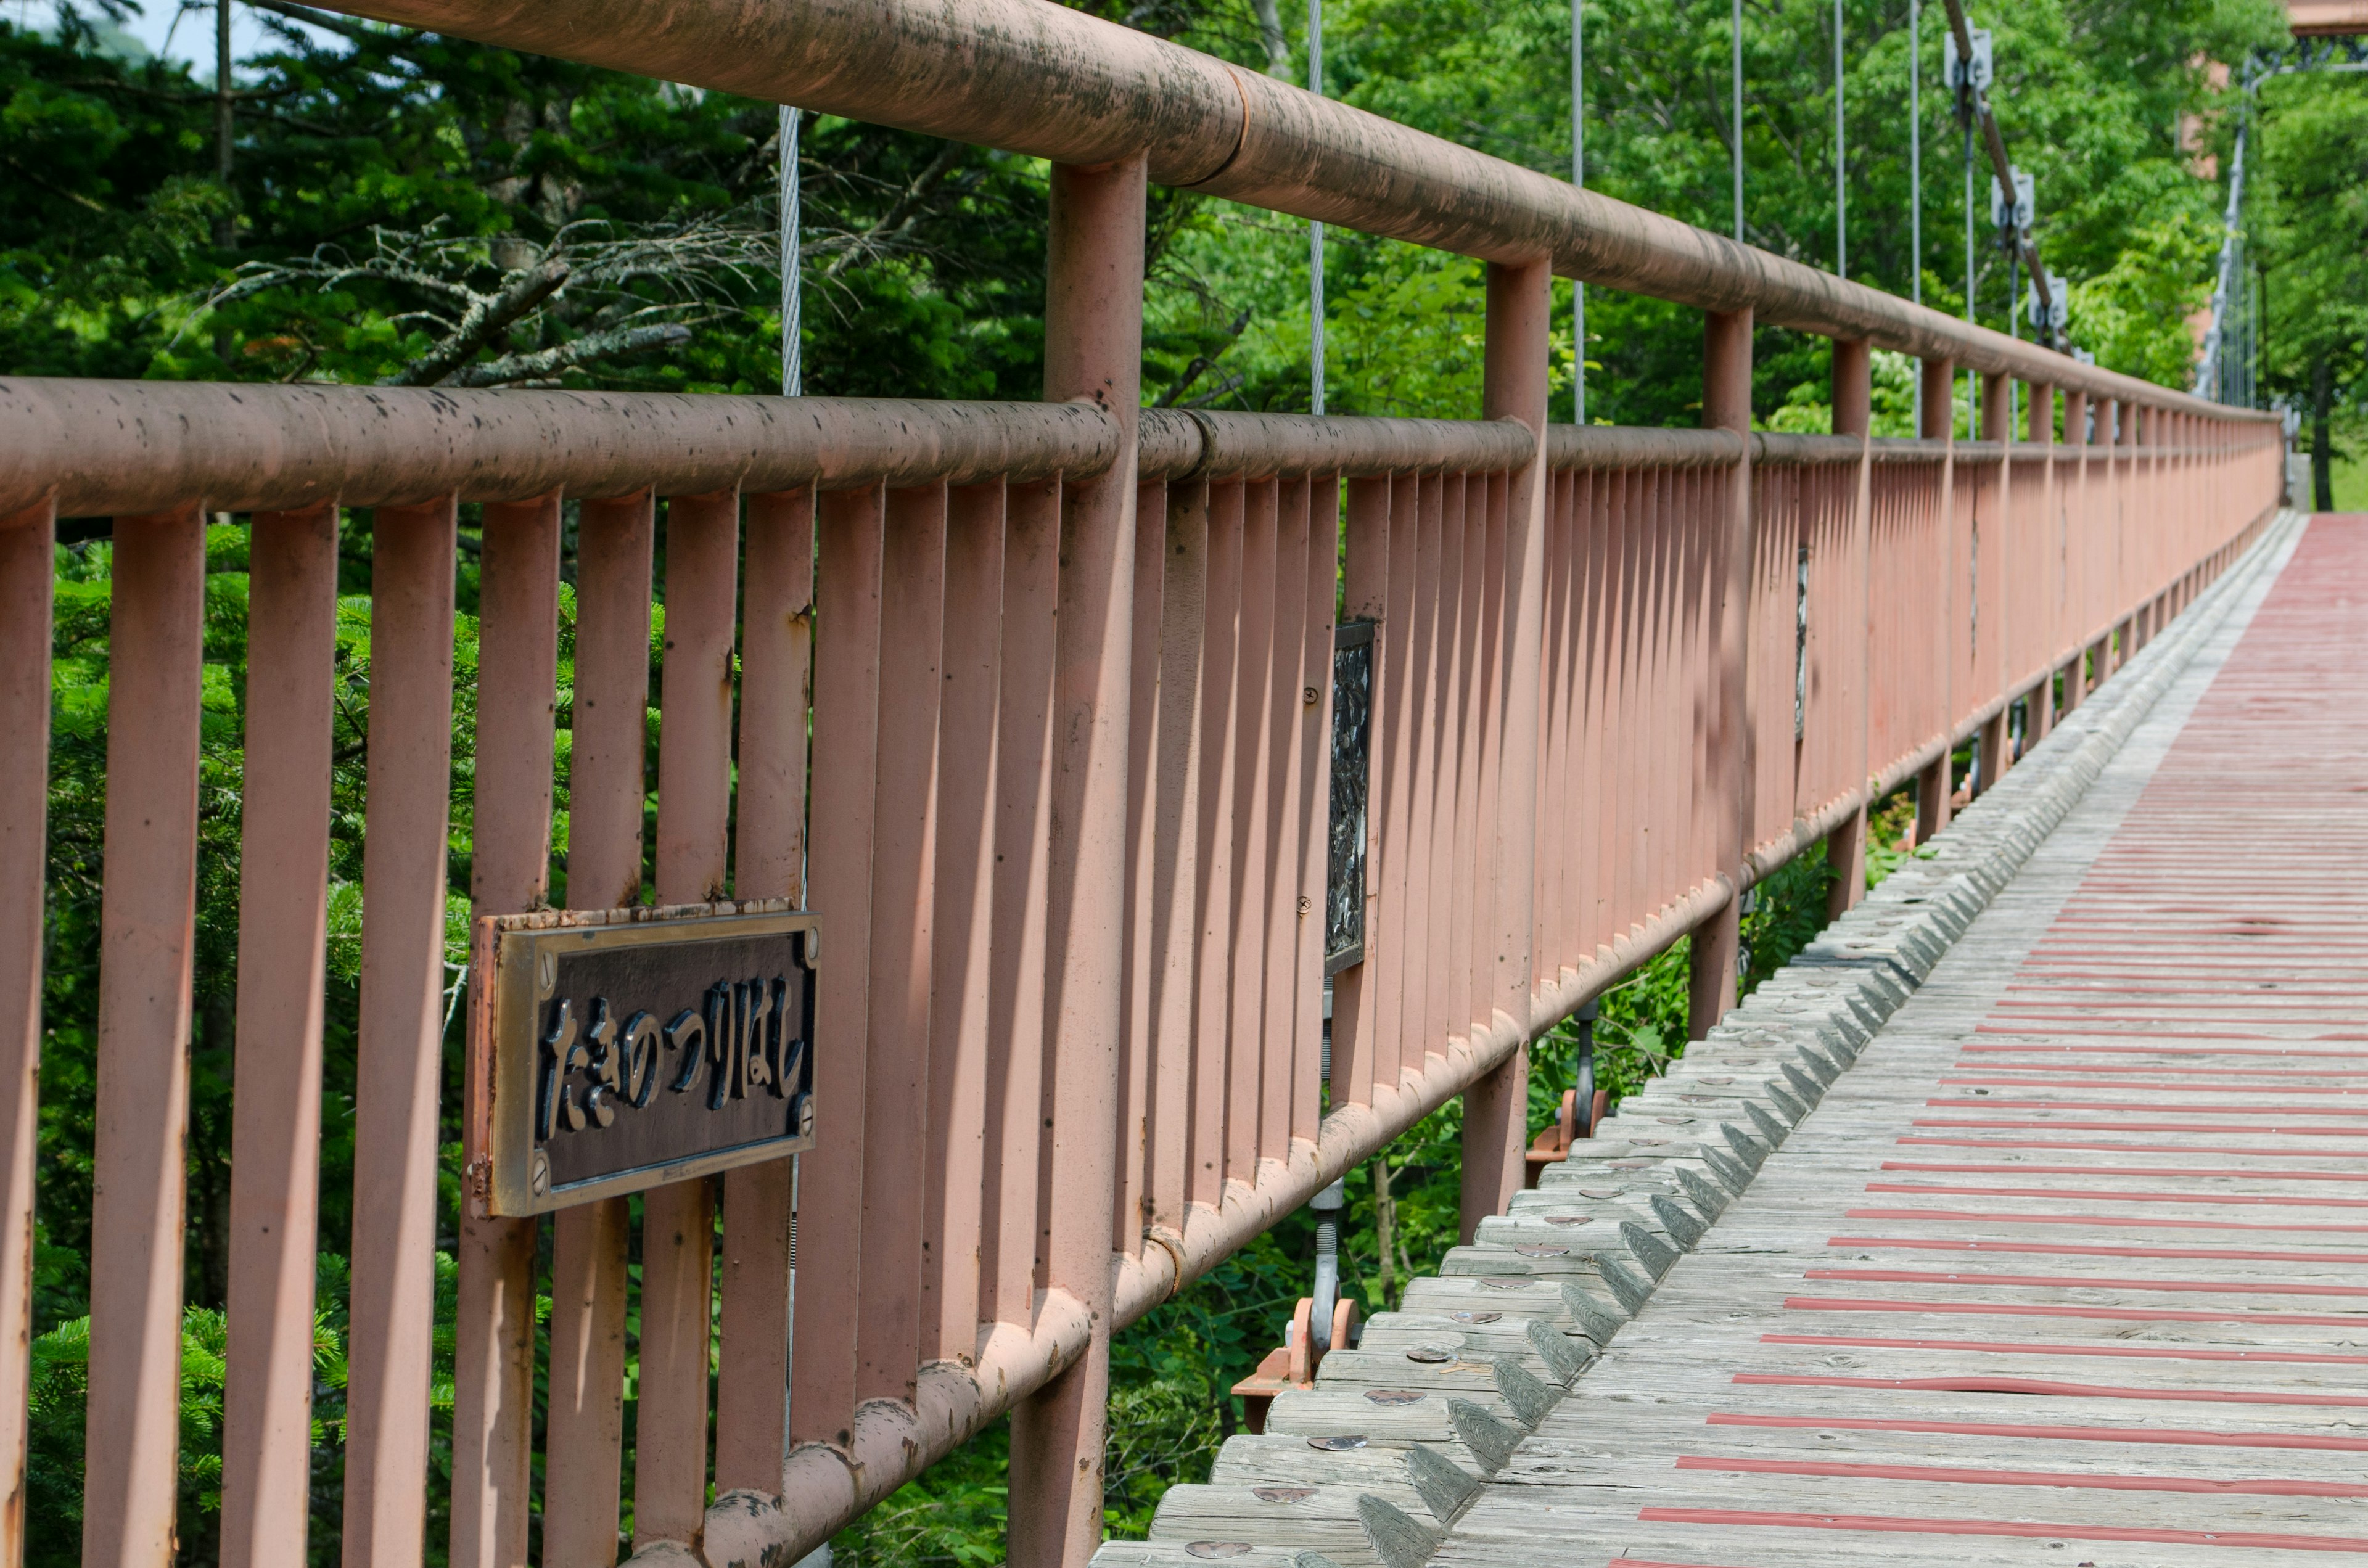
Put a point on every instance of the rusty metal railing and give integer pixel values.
(925, 540)
(1031, 705)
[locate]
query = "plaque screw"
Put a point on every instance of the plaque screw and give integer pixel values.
(547, 971)
(538, 1174)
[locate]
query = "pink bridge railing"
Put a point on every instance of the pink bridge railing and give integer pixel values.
(1037, 708)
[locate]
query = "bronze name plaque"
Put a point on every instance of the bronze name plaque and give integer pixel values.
(616, 1051)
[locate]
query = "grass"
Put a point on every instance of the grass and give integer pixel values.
(2350, 484)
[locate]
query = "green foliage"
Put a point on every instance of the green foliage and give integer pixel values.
(2310, 208)
(60, 1381)
(2135, 314)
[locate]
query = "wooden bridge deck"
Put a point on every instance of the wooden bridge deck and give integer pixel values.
(2071, 1267)
(2067, 1267)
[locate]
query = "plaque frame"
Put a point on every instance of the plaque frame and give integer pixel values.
(513, 972)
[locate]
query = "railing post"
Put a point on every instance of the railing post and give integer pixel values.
(1726, 405)
(1496, 1109)
(1853, 405)
(1093, 350)
(28, 583)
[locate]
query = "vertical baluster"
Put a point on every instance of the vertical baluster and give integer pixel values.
(146, 935)
(1421, 906)
(1322, 585)
(1212, 1133)
(1396, 726)
(1174, 850)
(1688, 600)
(1551, 889)
(1660, 743)
(1500, 889)
(1456, 847)
(963, 923)
(1252, 868)
(1623, 747)
(1356, 1033)
(1591, 807)
(400, 1050)
(1669, 756)
(496, 1256)
(845, 729)
(1474, 753)
(584, 1435)
(1144, 808)
(276, 1116)
(694, 809)
(1702, 651)
(1448, 876)
(1277, 831)
(27, 574)
(903, 857)
(1655, 740)
(1023, 796)
(767, 861)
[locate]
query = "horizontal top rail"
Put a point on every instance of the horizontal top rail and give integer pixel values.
(124, 449)
(1202, 444)
(128, 448)
(1603, 445)
(1057, 83)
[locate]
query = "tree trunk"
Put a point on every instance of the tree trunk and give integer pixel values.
(2322, 453)
(1278, 52)
(1385, 1235)
(225, 226)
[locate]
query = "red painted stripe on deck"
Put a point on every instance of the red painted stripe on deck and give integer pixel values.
(1959, 1475)
(2239, 1540)
(1987, 1068)
(2144, 1221)
(2068, 1048)
(2171, 1437)
(1936, 1243)
(2053, 1310)
(2205, 1088)
(2141, 1127)
(2269, 1200)
(2058, 1033)
(2080, 1283)
(2053, 1389)
(2077, 1146)
(2228, 1173)
(2038, 1347)
(1981, 1104)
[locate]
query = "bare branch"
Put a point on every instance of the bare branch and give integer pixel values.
(899, 218)
(488, 318)
(547, 362)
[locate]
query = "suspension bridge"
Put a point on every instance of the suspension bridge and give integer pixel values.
(1084, 831)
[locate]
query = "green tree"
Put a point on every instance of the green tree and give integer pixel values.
(2311, 244)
